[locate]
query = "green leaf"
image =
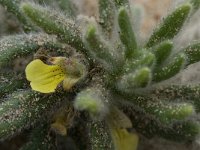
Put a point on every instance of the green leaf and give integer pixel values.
(170, 26)
(55, 23)
(162, 51)
(169, 70)
(184, 93)
(100, 49)
(137, 13)
(192, 53)
(40, 139)
(10, 82)
(165, 111)
(12, 47)
(13, 7)
(120, 3)
(24, 108)
(100, 137)
(67, 7)
(107, 16)
(127, 35)
(180, 131)
(195, 4)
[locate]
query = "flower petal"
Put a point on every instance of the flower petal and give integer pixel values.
(46, 88)
(118, 123)
(123, 140)
(69, 82)
(44, 78)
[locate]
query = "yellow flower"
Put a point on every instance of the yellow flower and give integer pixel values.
(118, 123)
(45, 78)
(124, 140)
(62, 119)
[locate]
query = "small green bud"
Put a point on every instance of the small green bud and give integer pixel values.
(92, 101)
(138, 79)
(162, 51)
(147, 59)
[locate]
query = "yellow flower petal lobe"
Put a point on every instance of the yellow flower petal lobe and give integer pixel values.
(59, 128)
(44, 78)
(69, 82)
(123, 140)
(118, 123)
(63, 119)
